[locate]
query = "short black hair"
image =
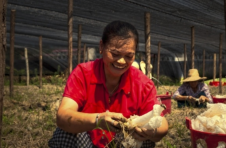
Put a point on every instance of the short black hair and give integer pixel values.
(120, 29)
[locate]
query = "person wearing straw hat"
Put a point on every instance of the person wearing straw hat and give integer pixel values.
(193, 91)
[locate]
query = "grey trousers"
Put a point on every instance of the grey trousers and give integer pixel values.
(62, 139)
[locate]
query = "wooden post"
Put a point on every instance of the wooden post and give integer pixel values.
(220, 63)
(192, 47)
(79, 42)
(70, 35)
(12, 36)
(27, 65)
(2, 57)
(84, 53)
(158, 67)
(40, 62)
(140, 56)
(185, 61)
(88, 54)
(203, 63)
(153, 60)
(225, 17)
(214, 66)
(148, 42)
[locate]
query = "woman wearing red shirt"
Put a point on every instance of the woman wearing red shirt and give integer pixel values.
(105, 91)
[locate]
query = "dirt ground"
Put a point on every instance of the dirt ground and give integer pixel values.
(29, 117)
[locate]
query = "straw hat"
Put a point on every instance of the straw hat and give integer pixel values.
(193, 75)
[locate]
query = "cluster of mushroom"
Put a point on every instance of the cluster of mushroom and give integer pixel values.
(150, 120)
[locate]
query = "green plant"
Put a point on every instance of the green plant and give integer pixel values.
(7, 120)
(6, 82)
(36, 72)
(217, 79)
(17, 96)
(169, 145)
(180, 129)
(165, 80)
(58, 70)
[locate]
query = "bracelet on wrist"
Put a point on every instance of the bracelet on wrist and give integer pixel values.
(97, 119)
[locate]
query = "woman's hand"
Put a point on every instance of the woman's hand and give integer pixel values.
(143, 134)
(190, 98)
(154, 135)
(203, 99)
(110, 121)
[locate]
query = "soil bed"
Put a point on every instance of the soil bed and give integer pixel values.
(29, 117)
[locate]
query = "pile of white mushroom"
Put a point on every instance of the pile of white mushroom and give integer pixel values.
(212, 121)
(150, 120)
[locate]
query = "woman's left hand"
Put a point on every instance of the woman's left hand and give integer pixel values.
(203, 99)
(143, 134)
(154, 135)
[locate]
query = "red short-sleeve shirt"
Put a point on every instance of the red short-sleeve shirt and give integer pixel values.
(136, 94)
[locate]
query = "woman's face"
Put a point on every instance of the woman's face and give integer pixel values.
(118, 55)
(193, 84)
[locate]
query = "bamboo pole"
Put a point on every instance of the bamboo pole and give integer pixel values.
(203, 63)
(185, 61)
(70, 35)
(220, 63)
(225, 17)
(148, 43)
(140, 56)
(12, 36)
(214, 66)
(2, 57)
(88, 54)
(153, 60)
(27, 65)
(192, 47)
(40, 62)
(84, 53)
(79, 42)
(158, 67)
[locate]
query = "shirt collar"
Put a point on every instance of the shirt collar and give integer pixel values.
(125, 82)
(98, 76)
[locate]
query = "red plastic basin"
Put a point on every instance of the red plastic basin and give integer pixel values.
(216, 83)
(210, 138)
(219, 100)
(166, 99)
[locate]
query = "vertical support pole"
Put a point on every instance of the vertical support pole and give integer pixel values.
(214, 66)
(220, 63)
(203, 63)
(148, 42)
(88, 54)
(153, 60)
(140, 56)
(70, 35)
(185, 61)
(158, 67)
(225, 16)
(79, 42)
(84, 53)
(192, 47)
(12, 36)
(2, 58)
(27, 65)
(40, 62)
